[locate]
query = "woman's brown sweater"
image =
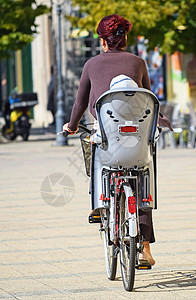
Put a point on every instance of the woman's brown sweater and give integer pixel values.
(97, 75)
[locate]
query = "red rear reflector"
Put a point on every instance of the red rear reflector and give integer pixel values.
(148, 200)
(128, 129)
(102, 197)
(132, 205)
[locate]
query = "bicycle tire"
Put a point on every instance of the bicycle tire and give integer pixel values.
(110, 250)
(127, 248)
(25, 135)
(9, 136)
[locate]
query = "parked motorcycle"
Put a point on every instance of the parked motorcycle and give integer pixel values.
(17, 115)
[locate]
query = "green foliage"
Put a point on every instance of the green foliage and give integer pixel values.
(171, 24)
(17, 24)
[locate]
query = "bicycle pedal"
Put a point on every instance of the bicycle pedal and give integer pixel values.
(94, 219)
(101, 229)
(143, 267)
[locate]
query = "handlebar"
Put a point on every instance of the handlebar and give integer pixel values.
(82, 127)
(64, 133)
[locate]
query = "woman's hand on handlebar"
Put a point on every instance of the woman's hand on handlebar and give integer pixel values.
(70, 132)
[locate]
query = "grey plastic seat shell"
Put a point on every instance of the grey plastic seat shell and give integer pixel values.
(118, 107)
(121, 107)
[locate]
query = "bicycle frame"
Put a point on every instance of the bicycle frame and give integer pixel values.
(119, 183)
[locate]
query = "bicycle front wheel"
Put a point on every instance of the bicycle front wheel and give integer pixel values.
(110, 250)
(127, 247)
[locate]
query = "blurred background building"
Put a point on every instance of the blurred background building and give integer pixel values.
(173, 77)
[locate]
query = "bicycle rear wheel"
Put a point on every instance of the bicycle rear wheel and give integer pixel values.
(110, 249)
(127, 248)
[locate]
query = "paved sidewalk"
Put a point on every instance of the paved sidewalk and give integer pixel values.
(49, 251)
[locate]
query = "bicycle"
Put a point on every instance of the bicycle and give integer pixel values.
(120, 225)
(123, 175)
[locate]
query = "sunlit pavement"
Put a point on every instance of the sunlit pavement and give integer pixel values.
(49, 251)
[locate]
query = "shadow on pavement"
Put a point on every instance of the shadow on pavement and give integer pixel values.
(169, 281)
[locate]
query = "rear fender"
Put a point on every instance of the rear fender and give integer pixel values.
(132, 216)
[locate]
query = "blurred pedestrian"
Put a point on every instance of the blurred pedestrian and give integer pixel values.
(51, 106)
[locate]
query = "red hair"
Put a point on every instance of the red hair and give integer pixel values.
(113, 29)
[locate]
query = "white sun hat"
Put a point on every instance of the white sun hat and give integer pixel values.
(122, 81)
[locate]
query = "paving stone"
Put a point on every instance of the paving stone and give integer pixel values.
(50, 252)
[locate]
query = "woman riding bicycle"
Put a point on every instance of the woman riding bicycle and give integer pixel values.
(97, 74)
